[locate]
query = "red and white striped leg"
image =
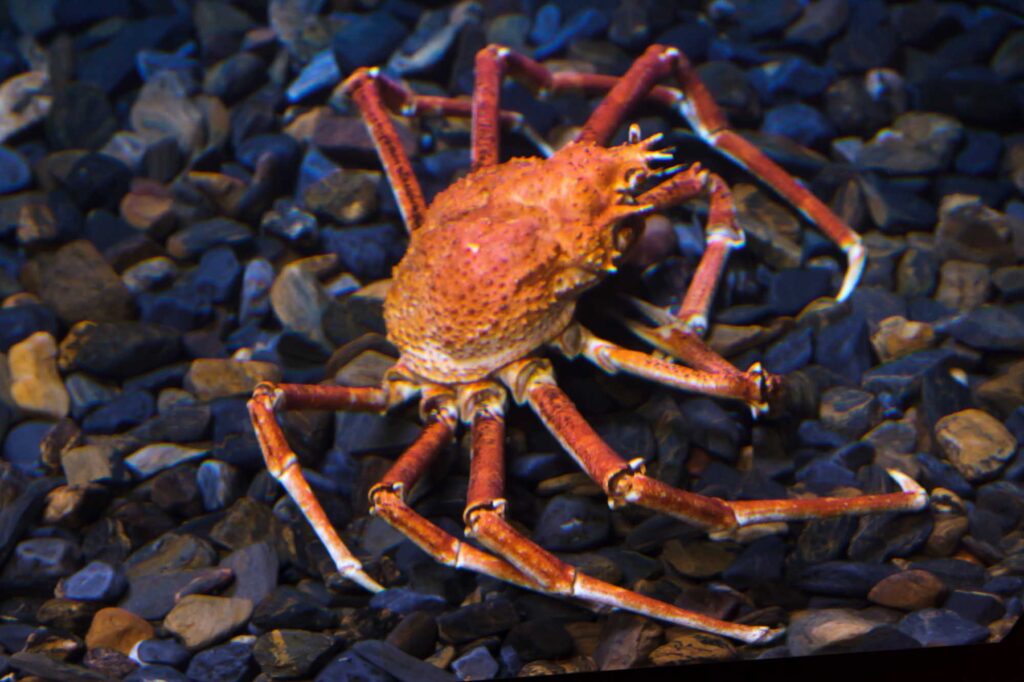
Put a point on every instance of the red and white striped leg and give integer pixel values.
(699, 108)
(283, 465)
(533, 382)
(485, 520)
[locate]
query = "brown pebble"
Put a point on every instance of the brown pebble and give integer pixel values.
(117, 629)
(908, 590)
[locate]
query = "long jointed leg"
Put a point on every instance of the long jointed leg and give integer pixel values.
(283, 465)
(485, 520)
(699, 108)
(532, 381)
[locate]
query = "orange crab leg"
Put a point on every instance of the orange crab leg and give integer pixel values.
(283, 465)
(485, 520)
(533, 382)
(700, 109)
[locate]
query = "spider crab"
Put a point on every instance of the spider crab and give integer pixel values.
(493, 272)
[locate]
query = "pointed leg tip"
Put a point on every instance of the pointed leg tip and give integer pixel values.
(765, 635)
(909, 485)
(856, 259)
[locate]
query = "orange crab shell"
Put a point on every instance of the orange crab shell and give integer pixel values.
(503, 254)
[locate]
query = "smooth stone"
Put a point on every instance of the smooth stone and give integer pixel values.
(416, 634)
(824, 539)
(98, 581)
(987, 328)
(19, 322)
(286, 607)
(123, 412)
(220, 484)
(826, 628)
(118, 349)
(41, 666)
(397, 663)
(92, 464)
(257, 280)
(918, 142)
(23, 446)
(902, 378)
(75, 506)
(476, 664)
(910, 590)
(38, 563)
(348, 667)
(255, 568)
(200, 620)
(210, 378)
(405, 601)
(78, 284)
(841, 578)
(571, 523)
(246, 522)
(299, 301)
(896, 336)
(152, 459)
(971, 231)
(87, 393)
(286, 654)
(117, 629)
(963, 285)
(15, 173)
(979, 607)
(800, 122)
(467, 623)
(35, 383)
(179, 423)
(976, 443)
(848, 411)
(692, 648)
(759, 563)
(153, 596)
(24, 101)
(626, 640)
(844, 347)
(954, 573)
(162, 652)
(883, 536)
(368, 252)
(156, 673)
(942, 627)
(170, 552)
(231, 662)
(697, 559)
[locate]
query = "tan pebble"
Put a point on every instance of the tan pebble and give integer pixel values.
(36, 386)
(114, 628)
(908, 590)
(897, 336)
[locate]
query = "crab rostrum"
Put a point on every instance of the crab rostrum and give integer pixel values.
(493, 272)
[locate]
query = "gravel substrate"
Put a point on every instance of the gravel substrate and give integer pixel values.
(187, 209)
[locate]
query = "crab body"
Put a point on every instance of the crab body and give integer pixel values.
(505, 252)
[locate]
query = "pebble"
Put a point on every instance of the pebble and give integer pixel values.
(36, 386)
(231, 662)
(98, 581)
(974, 442)
(848, 411)
(117, 629)
(692, 648)
(92, 464)
(38, 563)
(416, 635)
(15, 173)
(910, 590)
(220, 484)
(155, 673)
(118, 349)
(200, 620)
(841, 578)
(896, 336)
(571, 523)
(169, 552)
(287, 607)
(152, 596)
(477, 620)
(286, 654)
(918, 142)
(78, 284)
(980, 607)
(825, 629)
(255, 568)
(626, 640)
(393, 661)
(987, 328)
(152, 459)
(162, 652)
(697, 559)
(211, 378)
(968, 230)
(963, 285)
(880, 537)
(942, 627)
(476, 664)
(46, 667)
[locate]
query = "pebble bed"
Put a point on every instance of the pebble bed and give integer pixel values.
(186, 209)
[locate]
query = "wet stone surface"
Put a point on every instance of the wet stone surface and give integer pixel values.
(190, 206)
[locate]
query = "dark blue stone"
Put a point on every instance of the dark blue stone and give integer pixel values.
(799, 122)
(812, 433)
(902, 377)
(230, 662)
(823, 475)
(477, 664)
(942, 627)
(880, 537)
(794, 77)
(980, 153)
(790, 353)
(875, 304)
(151, 62)
(182, 308)
(711, 427)
(22, 446)
(937, 473)
(988, 328)
(123, 412)
(112, 62)
(97, 180)
(841, 578)
(368, 252)
(217, 275)
(367, 40)
(15, 173)
(844, 347)
(921, 309)
(72, 14)
(98, 581)
(942, 395)
(585, 24)
(19, 322)
(348, 667)
(791, 290)
(1005, 585)
(200, 237)
(854, 455)
(284, 149)
(571, 523)
(979, 607)
(166, 652)
(760, 562)
(955, 573)
(693, 38)
(106, 230)
(402, 600)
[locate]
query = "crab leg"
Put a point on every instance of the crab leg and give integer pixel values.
(283, 465)
(532, 381)
(700, 109)
(485, 520)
